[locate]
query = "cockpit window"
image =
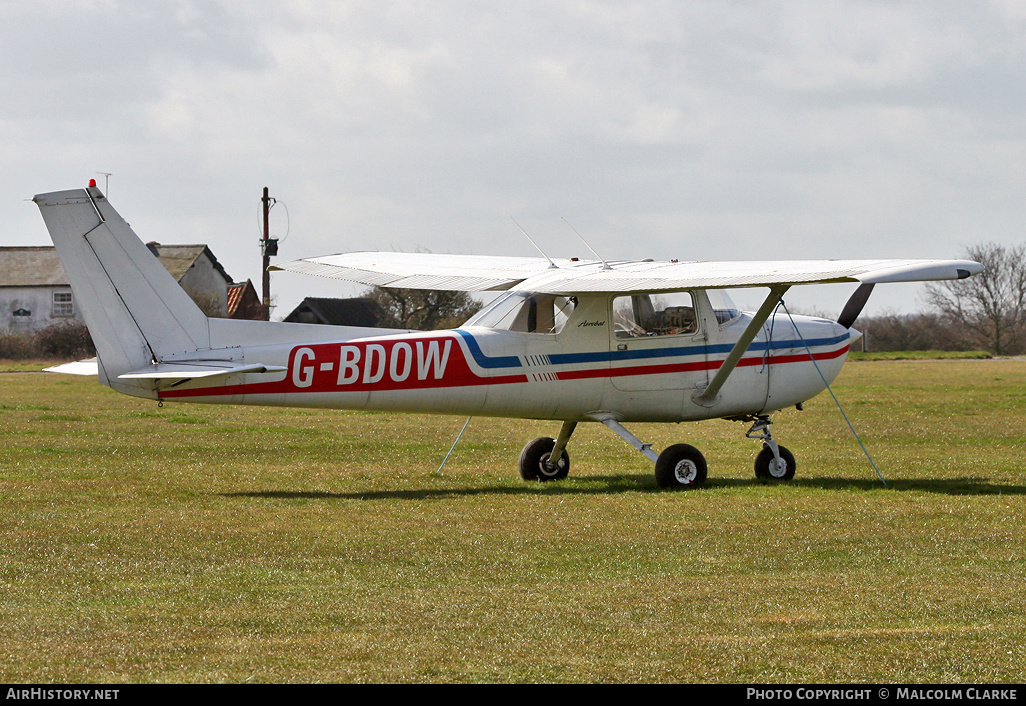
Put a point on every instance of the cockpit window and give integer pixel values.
(667, 314)
(526, 312)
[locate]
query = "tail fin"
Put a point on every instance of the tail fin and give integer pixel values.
(135, 311)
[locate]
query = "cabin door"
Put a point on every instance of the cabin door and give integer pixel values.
(658, 342)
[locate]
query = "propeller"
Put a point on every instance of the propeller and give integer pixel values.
(854, 305)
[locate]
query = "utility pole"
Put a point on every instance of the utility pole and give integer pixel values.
(268, 247)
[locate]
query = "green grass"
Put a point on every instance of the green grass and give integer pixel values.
(230, 544)
(918, 355)
(25, 366)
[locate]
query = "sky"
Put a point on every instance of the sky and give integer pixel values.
(688, 129)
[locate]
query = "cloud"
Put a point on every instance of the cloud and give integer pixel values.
(659, 129)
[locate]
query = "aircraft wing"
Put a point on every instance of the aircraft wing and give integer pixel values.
(486, 273)
(468, 273)
(671, 276)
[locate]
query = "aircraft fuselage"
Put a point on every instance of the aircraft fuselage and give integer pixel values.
(583, 370)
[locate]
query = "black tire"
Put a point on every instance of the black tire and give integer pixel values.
(680, 466)
(534, 461)
(764, 466)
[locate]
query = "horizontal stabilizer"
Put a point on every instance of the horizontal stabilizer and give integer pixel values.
(89, 366)
(198, 369)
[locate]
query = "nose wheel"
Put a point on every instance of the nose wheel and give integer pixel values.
(774, 462)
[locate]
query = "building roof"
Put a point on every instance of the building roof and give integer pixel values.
(339, 312)
(243, 301)
(39, 266)
(179, 258)
(31, 266)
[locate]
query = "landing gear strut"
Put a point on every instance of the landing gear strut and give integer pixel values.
(774, 462)
(678, 467)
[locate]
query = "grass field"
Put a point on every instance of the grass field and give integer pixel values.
(918, 355)
(230, 544)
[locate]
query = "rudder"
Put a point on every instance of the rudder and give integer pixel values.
(135, 310)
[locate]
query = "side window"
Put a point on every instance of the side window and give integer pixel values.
(62, 304)
(644, 315)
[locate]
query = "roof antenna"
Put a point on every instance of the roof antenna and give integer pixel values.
(605, 265)
(551, 263)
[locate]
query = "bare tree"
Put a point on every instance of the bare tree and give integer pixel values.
(889, 331)
(989, 305)
(422, 309)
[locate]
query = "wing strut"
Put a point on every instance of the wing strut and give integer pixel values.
(707, 397)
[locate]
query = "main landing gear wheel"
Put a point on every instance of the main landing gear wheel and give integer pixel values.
(767, 467)
(534, 461)
(680, 466)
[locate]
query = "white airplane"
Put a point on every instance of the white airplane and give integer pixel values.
(569, 340)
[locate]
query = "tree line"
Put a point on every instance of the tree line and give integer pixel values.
(983, 312)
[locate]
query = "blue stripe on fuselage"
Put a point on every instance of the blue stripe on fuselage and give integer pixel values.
(512, 361)
(502, 361)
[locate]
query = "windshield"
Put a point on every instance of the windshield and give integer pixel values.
(526, 312)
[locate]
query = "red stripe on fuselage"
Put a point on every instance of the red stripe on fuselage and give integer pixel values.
(361, 366)
(426, 363)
